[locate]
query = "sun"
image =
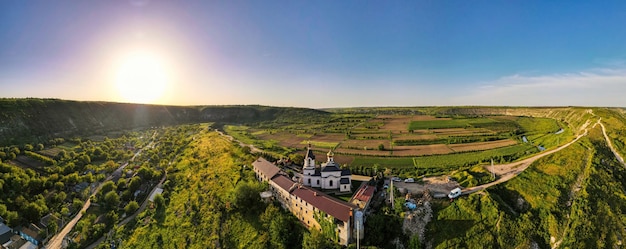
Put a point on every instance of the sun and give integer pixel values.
(141, 78)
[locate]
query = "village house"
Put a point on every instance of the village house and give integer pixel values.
(308, 204)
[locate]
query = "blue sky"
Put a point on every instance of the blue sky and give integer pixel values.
(322, 53)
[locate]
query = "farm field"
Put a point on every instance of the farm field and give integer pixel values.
(434, 142)
(481, 145)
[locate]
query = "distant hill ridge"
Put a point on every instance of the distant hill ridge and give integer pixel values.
(29, 120)
(38, 120)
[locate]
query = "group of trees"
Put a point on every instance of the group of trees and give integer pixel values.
(31, 190)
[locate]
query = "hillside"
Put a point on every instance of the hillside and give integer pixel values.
(38, 120)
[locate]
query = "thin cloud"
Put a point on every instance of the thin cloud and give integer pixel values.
(595, 87)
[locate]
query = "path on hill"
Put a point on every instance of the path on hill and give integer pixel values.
(242, 144)
(608, 141)
(506, 172)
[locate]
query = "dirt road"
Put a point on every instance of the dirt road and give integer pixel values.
(505, 172)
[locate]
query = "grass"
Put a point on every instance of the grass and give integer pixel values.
(538, 125)
(452, 123)
(574, 196)
(449, 161)
(320, 144)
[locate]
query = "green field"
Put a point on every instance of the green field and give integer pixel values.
(445, 124)
(441, 163)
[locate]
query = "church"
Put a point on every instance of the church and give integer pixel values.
(327, 177)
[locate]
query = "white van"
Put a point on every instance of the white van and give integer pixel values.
(454, 193)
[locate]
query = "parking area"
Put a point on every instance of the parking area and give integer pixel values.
(439, 186)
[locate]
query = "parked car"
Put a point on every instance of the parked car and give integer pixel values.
(409, 180)
(454, 193)
(396, 179)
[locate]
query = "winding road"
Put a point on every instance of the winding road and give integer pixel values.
(506, 172)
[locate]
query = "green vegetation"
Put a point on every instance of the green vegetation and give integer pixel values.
(569, 198)
(448, 123)
(55, 153)
(473, 176)
(225, 210)
(444, 163)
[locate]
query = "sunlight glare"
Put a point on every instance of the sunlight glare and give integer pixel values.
(141, 78)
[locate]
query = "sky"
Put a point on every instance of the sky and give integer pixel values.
(316, 54)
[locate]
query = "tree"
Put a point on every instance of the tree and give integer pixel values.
(62, 155)
(296, 158)
(28, 147)
(121, 183)
(59, 186)
(381, 147)
(12, 218)
(315, 240)
(159, 201)
(77, 204)
(65, 211)
(52, 227)
(108, 186)
(111, 200)
(131, 207)
(111, 218)
(134, 184)
(246, 195)
(33, 212)
(387, 172)
(3, 210)
(246, 149)
(40, 146)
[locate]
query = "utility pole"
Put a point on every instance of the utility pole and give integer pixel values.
(493, 173)
(357, 234)
(391, 193)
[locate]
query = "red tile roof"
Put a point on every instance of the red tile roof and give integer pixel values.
(283, 182)
(268, 169)
(364, 193)
(336, 208)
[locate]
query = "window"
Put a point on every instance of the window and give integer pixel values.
(309, 181)
(318, 181)
(331, 183)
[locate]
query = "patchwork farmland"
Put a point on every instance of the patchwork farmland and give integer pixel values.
(411, 142)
